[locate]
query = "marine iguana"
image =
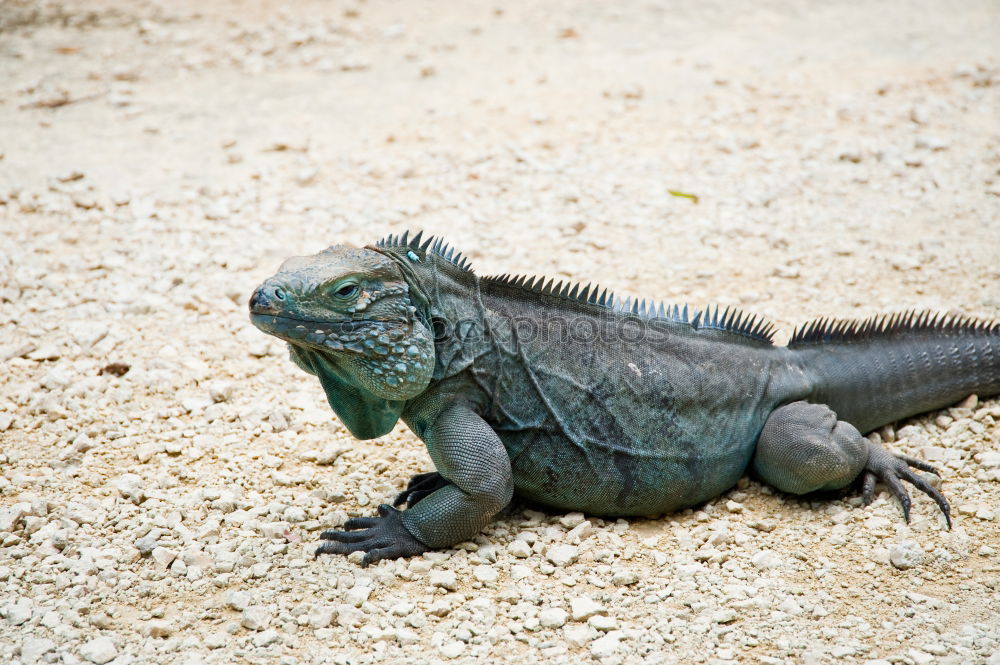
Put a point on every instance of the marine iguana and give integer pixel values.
(576, 399)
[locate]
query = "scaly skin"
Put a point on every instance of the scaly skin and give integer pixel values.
(582, 403)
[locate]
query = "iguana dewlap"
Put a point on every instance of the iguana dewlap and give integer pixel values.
(575, 399)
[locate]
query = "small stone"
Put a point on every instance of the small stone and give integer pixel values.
(970, 402)
(130, 486)
(571, 520)
(553, 617)
(579, 634)
(919, 114)
(931, 143)
(405, 636)
(767, 526)
(305, 176)
(602, 623)
(163, 557)
(582, 608)
(445, 579)
(275, 530)
(727, 615)
(580, 532)
(452, 649)
(519, 548)
(255, 618)
(905, 555)
(220, 391)
(485, 574)
(851, 154)
(734, 507)
(562, 555)
(519, 572)
(238, 600)
(19, 612)
(968, 509)
(266, 638)
(10, 516)
(33, 648)
(216, 640)
(606, 646)
(358, 595)
(99, 650)
(766, 560)
(989, 459)
(157, 628)
(624, 577)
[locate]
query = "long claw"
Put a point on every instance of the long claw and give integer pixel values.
(413, 498)
(891, 469)
(920, 464)
(333, 547)
(900, 493)
(419, 487)
(868, 488)
(930, 491)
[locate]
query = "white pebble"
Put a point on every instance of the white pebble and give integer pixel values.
(445, 579)
(255, 618)
(905, 555)
(99, 650)
(582, 608)
(562, 555)
(553, 617)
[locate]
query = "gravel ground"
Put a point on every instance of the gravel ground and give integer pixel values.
(166, 470)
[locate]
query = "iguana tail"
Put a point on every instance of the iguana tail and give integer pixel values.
(885, 368)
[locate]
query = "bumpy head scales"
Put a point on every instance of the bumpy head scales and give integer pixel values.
(352, 306)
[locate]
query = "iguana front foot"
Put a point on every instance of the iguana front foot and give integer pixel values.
(382, 537)
(891, 469)
(420, 486)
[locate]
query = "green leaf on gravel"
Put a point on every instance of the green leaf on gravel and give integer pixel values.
(683, 195)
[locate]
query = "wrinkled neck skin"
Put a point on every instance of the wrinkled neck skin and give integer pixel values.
(450, 303)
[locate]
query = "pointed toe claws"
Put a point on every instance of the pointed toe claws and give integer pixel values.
(891, 470)
(382, 537)
(419, 487)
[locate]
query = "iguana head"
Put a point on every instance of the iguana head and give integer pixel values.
(348, 317)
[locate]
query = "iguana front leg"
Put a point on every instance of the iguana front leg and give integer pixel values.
(469, 454)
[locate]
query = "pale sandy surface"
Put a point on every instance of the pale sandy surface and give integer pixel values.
(846, 159)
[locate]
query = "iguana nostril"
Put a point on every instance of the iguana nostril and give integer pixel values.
(278, 293)
(260, 303)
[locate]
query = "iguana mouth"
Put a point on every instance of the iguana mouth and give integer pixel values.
(270, 322)
(360, 336)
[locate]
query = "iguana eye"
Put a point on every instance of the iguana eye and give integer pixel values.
(347, 291)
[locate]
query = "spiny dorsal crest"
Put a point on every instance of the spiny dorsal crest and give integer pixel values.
(436, 246)
(729, 320)
(881, 326)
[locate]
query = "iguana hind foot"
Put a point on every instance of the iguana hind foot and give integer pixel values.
(803, 448)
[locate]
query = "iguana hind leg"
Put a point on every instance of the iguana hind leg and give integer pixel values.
(804, 448)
